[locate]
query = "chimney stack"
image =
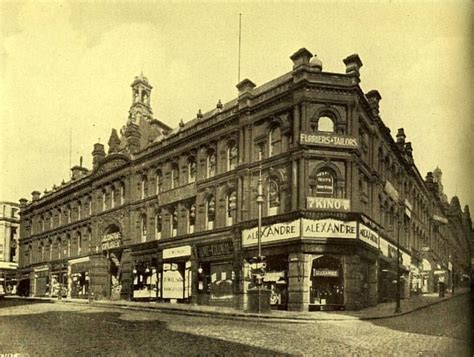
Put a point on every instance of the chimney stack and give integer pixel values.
(353, 64)
(35, 195)
(301, 58)
(97, 154)
(374, 97)
(23, 202)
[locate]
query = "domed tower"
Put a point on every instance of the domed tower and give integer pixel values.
(141, 91)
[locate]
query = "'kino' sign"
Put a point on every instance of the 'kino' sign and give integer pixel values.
(327, 203)
(271, 233)
(111, 240)
(328, 140)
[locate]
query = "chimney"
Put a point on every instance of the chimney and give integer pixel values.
(245, 86)
(114, 142)
(301, 58)
(97, 154)
(23, 202)
(401, 139)
(409, 152)
(374, 97)
(78, 172)
(35, 195)
(353, 64)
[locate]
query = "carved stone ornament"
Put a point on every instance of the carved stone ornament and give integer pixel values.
(111, 163)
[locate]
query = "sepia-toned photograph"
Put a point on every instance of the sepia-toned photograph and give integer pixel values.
(236, 178)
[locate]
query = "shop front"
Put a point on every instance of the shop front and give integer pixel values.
(79, 278)
(315, 264)
(58, 282)
(145, 275)
(8, 272)
(175, 280)
(111, 246)
(215, 274)
(41, 281)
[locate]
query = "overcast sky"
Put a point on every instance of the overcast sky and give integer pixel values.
(67, 67)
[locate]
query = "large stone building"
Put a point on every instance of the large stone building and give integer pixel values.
(171, 214)
(9, 235)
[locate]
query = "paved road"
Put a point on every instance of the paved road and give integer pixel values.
(61, 329)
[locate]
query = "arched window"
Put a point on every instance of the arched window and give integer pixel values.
(274, 141)
(232, 156)
(325, 124)
(273, 197)
(79, 210)
(122, 193)
(174, 175)
(41, 252)
(174, 221)
(158, 223)
(68, 245)
(159, 182)
(210, 212)
(104, 200)
(191, 169)
(112, 197)
(144, 187)
(143, 227)
(41, 224)
(323, 184)
(192, 218)
(231, 207)
(211, 163)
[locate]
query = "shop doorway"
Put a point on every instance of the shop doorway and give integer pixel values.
(326, 284)
(276, 280)
(115, 272)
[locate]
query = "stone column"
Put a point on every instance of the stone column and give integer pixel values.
(299, 269)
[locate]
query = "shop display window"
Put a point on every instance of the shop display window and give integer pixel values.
(144, 281)
(327, 282)
(80, 285)
(276, 280)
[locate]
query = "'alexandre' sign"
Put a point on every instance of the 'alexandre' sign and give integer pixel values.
(176, 252)
(329, 228)
(368, 236)
(328, 203)
(329, 140)
(274, 232)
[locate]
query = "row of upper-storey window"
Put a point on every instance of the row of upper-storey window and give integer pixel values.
(53, 248)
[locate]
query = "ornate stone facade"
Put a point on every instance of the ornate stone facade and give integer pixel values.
(171, 214)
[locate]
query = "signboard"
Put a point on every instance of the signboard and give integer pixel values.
(440, 219)
(173, 284)
(390, 250)
(10, 265)
(368, 236)
(176, 252)
(391, 191)
(327, 203)
(213, 250)
(326, 273)
(328, 228)
(329, 140)
(111, 240)
(272, 233)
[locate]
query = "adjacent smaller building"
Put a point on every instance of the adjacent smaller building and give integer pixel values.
(9, 234)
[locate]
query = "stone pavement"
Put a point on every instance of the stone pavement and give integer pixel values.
(381, 311)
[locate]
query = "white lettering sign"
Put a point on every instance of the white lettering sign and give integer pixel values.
(391, 191)
(325, 272)
(328, 228)
(182, 251)
(327, 203)
(440, 219)
(368, 236)
(173, 284)
(275, 232)
(111, 240)
(328, 140)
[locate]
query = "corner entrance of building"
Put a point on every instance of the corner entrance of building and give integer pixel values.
(326, 284)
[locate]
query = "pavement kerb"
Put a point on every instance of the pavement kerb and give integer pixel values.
(240, 315)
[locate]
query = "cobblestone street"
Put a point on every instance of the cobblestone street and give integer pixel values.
(60, 329)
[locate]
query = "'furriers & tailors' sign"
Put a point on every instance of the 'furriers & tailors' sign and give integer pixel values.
(111, 240)
(328, 140)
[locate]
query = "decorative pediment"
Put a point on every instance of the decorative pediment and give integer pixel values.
(110, 163)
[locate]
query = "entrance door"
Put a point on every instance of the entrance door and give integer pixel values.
(327, 283)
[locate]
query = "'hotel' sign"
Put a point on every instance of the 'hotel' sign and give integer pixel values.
(328, 203)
